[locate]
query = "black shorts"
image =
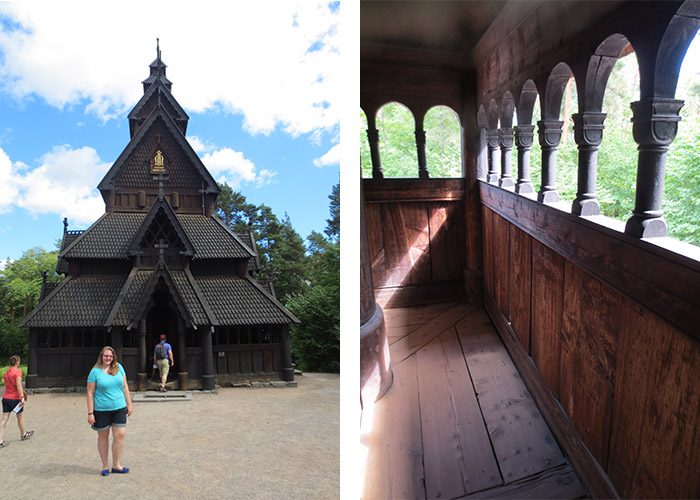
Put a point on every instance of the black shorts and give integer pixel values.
(9, 404)
(106, 419)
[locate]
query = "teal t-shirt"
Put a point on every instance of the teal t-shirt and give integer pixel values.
(109, 389)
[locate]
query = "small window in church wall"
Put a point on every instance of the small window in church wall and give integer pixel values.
(443, 142)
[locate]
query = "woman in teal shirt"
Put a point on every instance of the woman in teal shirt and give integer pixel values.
(109, 403)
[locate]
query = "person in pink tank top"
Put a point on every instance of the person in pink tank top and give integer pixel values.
(13, 400)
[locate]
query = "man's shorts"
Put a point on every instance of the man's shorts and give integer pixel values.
(105, 419)
(163, 367)
(9, 404)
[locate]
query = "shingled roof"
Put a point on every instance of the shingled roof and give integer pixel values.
(110, 236)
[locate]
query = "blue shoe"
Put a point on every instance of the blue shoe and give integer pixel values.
(123, 470)
(105, 472)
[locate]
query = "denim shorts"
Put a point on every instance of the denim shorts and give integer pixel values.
(9, 404)
(106, 419)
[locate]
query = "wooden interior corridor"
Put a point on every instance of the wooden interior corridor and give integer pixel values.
(458, 421)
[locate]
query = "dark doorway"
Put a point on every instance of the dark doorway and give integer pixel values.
(161, 318)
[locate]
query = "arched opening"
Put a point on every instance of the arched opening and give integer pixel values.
(397, 141)
(682, 181)
(617, 157)
(443, 142)
(365, 157)
(567, 153)
(161, 318)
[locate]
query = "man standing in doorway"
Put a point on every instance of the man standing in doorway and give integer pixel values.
(163, 357)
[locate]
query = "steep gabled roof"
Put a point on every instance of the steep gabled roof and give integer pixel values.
(161, 206)
(157, 95)
(107, 183)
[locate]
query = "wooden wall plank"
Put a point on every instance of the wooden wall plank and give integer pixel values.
(655, 445)
(521, 439)
(501, 263)
(390, 424)
(375, 243)
(590, 325)
(406, 237)
(547, 296)
(520, 281)
(488, 216)
(457, 452)
(447, 240)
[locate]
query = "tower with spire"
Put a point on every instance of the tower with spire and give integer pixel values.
(159, 260)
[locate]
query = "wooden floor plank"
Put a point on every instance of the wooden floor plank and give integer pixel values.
(554, 483)
(521, 439)
(403, 348)
(390, 436)
(416, 315)
(457, 452)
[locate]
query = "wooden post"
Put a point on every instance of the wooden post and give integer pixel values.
(420, 147)
(549, 135)
(287, 366)
(588, 133)
(655, 123)
(524, 135)
(208, 377)
(118, 342)
(32, 362)
(505, 140)
(142, 375)
(182, 374)
(492, 142)
(373, 139)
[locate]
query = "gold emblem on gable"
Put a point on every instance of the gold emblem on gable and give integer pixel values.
(158, 163)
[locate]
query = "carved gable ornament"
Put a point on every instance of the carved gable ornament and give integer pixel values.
(158, 163)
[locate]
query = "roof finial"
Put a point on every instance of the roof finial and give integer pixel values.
(158, 47)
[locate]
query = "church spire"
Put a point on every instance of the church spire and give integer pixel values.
(157, 71)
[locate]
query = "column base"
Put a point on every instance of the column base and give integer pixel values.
(585, 207)
(208, 382)
(524, 187)
(646, 228)
(376, 376)
(492, 179)
(141, 381)
(548, 196)
(288, 374)
(507, 183)
(183, 380)
(30, 381)
(423, 174)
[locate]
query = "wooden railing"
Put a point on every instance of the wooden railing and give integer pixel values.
(605, 328)
(416, 237)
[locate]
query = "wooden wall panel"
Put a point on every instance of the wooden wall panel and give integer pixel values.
(590, 324)
(655, 445)
(547, 298)
(447, 240)
(520, 284)
(501, 259)
(487, 226)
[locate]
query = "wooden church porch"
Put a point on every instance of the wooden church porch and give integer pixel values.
(458, 419)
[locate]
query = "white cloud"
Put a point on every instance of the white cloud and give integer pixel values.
(64, 184)
(275, 62)
(332, 157)
(200, 145)
(231, 166)
(8, 185)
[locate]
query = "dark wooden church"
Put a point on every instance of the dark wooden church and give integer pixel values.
(514, 345)
(159, 261)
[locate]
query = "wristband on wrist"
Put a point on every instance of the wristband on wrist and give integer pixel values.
(90, 413)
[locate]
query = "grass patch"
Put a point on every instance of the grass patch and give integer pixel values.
(5, 368)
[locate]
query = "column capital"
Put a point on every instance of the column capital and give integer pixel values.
(492, 138)
(588, 128)
(524, 135)
(550, 132)
(655, 120)
(505, 137)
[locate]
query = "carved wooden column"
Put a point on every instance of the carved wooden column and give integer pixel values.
(208, 377)
(376, 376)
(549, 135)
(655, 123)
(588, 134)
(493, 143)
(524, 135)
(373, 139)
(505, 141)
(482, 158)
(182, 374)
(420, 147)
(142, 376)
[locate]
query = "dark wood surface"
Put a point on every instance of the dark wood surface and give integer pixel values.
(458, 419)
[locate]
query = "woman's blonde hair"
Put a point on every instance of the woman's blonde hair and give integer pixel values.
(114, 366)
(14, 360)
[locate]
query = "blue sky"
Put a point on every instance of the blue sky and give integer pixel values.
(259, 80)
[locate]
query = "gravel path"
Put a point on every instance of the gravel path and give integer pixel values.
(244, 443)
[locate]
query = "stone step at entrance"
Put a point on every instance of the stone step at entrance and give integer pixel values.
(157, 396)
